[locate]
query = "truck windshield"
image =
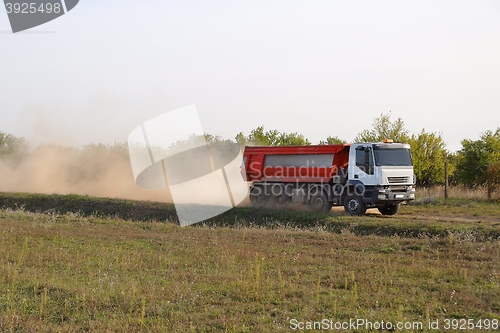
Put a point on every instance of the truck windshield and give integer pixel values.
(392, 156)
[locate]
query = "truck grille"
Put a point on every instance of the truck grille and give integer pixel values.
(396, 180)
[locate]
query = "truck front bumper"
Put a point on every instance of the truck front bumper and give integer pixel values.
(405, 193)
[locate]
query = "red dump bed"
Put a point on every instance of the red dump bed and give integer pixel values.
(294, 163)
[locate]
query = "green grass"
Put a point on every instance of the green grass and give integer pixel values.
(109, 265)
(455, 208)
(71, 273)
(436, 218)
(89, 206)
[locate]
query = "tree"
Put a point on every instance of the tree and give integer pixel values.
(429, 154)
(428, 149)
(210, 138)
(292, 139)
(259, 137)
(383, 128)
(12, 148)
(241, 140)
(479, 161)
(332, 140)
(12, 145)
(271, 138)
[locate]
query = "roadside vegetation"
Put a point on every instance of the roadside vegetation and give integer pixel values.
(77, 273)
(426, 216)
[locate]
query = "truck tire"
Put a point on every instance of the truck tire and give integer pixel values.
(354, 205)
(257, 198)
(278, 198)
(319, 202)
(389, 210)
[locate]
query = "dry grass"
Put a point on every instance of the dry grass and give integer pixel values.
(457, 192)
(70, 273)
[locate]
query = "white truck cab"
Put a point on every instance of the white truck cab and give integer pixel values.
(381, 175)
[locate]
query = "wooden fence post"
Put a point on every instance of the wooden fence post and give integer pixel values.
(446, 179)
(488, 180)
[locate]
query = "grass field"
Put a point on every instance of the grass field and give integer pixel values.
(82, 264)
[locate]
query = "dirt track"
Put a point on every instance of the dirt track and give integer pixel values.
(373, 212)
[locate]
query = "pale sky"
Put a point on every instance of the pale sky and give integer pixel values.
(319, 68)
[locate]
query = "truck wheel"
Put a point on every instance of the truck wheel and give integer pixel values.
(278, 198)
(319, 202)
(354, 205)
(389, 210)
(257, 198)
(278, 201)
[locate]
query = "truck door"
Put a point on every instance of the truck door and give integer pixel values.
(361, 166)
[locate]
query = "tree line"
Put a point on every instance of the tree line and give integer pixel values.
(477, 163)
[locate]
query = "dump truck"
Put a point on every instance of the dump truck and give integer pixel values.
(357, 176)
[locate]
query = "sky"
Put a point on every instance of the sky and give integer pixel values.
(319, 68)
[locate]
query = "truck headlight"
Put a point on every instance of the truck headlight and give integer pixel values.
(381, 196)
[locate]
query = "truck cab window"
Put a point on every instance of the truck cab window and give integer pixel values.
(361, 160)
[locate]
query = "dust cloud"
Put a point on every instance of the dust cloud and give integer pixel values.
(102, 170)
(55, 166)
(95, 170)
